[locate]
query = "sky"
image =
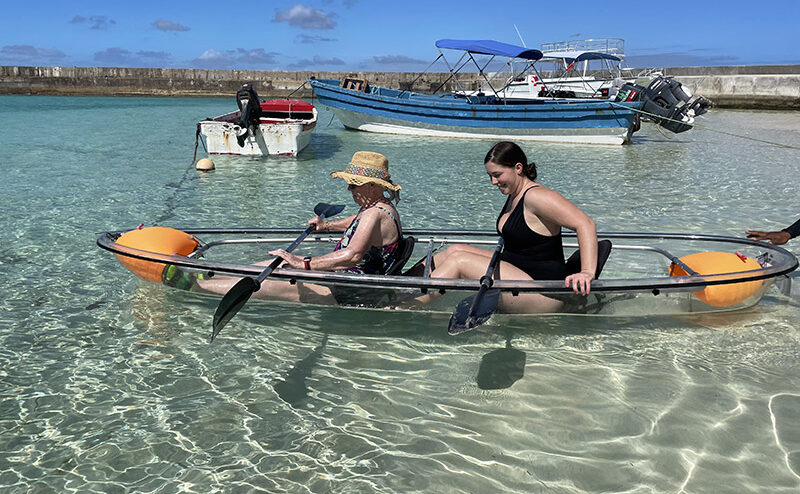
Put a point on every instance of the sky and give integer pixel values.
(374, 35)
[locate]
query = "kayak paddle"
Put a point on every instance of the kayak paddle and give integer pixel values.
(240, 293)
(476, 309)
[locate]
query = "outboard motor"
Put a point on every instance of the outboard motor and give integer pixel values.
(629, 92)
(249, 111)
(700, 105)
(670, 105)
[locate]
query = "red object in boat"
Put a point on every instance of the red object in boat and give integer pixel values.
(286, 105)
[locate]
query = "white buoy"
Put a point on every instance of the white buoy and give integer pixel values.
(205, 164)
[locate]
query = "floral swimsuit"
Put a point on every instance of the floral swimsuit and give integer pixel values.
(377, 260)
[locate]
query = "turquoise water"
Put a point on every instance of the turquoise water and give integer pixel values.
(108, 383)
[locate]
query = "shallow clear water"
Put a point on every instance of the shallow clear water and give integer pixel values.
(108, 384)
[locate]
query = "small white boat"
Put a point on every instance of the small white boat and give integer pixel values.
(284, 128)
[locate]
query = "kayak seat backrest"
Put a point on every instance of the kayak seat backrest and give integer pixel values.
(603, 250)
(404, 251)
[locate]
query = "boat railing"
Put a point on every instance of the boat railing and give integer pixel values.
(613, 46)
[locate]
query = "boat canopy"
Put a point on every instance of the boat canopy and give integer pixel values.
(580, 56)
(490, 47)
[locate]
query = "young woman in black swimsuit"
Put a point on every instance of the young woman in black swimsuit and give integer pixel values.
(530, 224)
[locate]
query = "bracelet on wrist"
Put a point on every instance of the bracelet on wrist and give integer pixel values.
(307, 263)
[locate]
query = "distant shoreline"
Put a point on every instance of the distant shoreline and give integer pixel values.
(771, 87)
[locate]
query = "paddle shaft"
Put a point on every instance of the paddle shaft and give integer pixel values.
(474, 310)
(240, 293)
(274, 264)
(486, 280)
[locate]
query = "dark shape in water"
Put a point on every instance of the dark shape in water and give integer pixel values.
(501, 368)
(292, 388)
(95, 305)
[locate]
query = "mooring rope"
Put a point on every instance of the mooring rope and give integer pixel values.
(170, 203)
(296, 89)
(704, 127)
(779, 144)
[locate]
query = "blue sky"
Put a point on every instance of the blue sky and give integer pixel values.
(361, 35)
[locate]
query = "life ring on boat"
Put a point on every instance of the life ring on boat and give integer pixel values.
(706, 263)
(158, 239)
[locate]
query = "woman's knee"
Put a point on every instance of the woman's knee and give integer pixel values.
(465, 264)
(452, 250)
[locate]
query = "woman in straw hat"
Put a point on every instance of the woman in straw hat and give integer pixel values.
(369, 242)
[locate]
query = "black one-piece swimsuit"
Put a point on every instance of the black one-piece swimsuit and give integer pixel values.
(540, 256)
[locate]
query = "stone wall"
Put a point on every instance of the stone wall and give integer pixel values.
(745, 87)
(110, 81)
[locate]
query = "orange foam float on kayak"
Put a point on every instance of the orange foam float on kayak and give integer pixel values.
(158, 239)
(706, 263)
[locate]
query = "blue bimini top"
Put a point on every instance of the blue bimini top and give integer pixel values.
(490, 47)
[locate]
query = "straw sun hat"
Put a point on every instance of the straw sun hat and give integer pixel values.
(367, 167)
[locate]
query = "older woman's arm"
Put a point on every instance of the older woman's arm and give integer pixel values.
(366, 235)
(322, 225)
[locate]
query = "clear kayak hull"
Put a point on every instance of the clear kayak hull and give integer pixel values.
(645, 273)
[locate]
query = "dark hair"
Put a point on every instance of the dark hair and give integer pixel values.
(508, 154)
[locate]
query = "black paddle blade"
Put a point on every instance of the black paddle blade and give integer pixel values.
(324, 210)
(232, 302)
(473, 311)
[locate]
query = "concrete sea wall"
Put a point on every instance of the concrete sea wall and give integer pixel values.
(770, 87)
(744, 87)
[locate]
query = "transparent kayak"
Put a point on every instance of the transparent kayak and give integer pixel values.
(645, 273)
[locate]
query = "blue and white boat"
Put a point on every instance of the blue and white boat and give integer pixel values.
(361, 106)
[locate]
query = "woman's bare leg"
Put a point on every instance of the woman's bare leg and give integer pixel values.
(441, 257)
(524, 303)
(472, 264)
(459, 263)
(272, 289)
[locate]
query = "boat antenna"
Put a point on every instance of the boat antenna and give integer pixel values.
(520, 37)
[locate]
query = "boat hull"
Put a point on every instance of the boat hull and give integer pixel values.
(278, 134)
(283, 139)
(397, 112)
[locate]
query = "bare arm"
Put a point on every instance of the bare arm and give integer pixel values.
(366, 235)
(553, 207)
(321, 225)
(776, 238)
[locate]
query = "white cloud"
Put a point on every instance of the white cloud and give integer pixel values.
(305, 17)
(311, 39)
(239, 58)
(397, 59)
(317, 61)
(94, 21)
(165, 25)
(29, 55)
